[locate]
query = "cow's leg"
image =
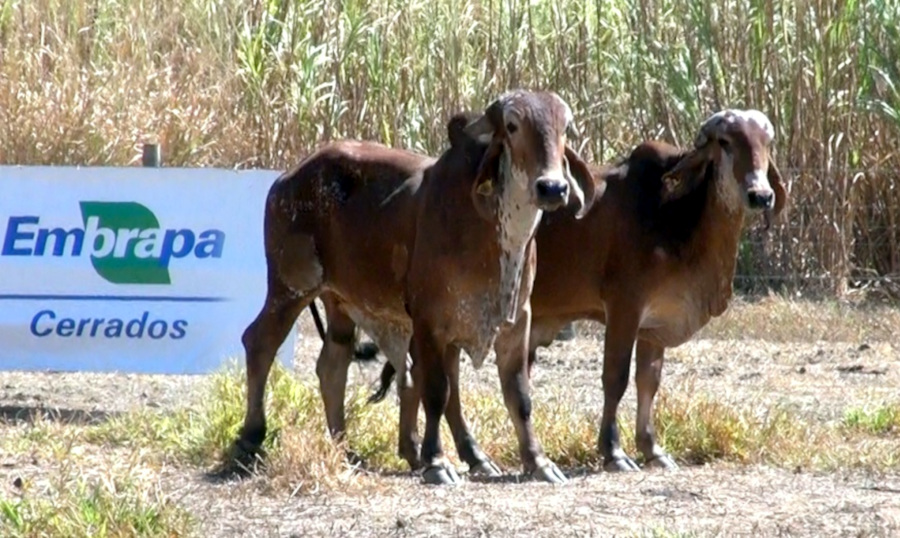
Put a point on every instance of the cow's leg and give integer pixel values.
(408, 445)
(621, 330)
(648, 373)
(512, 365)
(261, 340)
(394, 343)
(431, 379)
(532, 358)
(466, 446)
(332, 365)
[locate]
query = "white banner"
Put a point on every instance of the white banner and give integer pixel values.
(147, 270)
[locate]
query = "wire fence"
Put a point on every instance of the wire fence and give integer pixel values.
(838, 235)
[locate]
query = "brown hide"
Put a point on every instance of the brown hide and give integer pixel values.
(653, 260)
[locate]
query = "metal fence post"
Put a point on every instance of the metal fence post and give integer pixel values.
(151, 156)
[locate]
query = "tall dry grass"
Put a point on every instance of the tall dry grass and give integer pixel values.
(260, 83)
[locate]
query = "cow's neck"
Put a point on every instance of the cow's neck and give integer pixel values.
(715, 245)
(517, 221)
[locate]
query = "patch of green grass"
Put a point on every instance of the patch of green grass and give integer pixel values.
(70, 508)
(695, 427)
(298, 447)
(699, 429)
(567, 433)
(877, 420)
(372, 430)
(191, 435)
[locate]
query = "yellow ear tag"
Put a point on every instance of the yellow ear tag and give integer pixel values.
(485, 188)
(670, 181)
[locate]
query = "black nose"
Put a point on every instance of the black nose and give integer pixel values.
(551, 193)
(760, 199)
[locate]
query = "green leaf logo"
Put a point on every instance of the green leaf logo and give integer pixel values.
(118, 262)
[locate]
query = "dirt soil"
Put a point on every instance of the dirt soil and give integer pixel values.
(820, 378)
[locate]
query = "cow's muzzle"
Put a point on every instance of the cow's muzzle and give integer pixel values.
(551, 193)
(761, 199)
(760, 195)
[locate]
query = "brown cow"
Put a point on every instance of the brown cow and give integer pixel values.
(426, 255)
(653, 260)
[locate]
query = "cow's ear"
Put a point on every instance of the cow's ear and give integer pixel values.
(484, 188)
(777, 184)
(582, 183)
(686, 176)
(490, 129)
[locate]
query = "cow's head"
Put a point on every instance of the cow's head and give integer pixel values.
(738, 142)
(526, 169)
(527, 160)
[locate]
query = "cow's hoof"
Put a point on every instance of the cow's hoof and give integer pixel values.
(664, 462)
(243, 458)
(411, 456)
(621, 464)
(549, 472)
(485, 468)
(442, 474)
(245, 452)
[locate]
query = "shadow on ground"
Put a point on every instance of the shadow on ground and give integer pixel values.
(29, 414)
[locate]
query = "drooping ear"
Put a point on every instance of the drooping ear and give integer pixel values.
(686, 176)
(488, 128)
(777, 184)
(582, 183)
(484, 189)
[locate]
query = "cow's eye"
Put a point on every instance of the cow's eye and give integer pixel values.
(511, 127)
(726, 145)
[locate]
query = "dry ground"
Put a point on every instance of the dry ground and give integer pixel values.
(817, 360)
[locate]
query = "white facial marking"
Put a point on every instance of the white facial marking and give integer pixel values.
(557, 173)
(509, 96)
(760, 119)
(568, 110)
(730, 115)
(758, 180)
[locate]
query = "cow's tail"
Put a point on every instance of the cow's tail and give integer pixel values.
(317, 319)
(365, 352)
(387, 377)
